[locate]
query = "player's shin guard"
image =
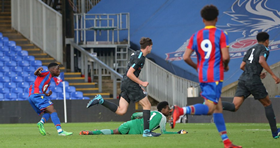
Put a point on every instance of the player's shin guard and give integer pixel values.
(146, 117)
(45, 117)
(228, 106)
(271, 117)
(56, 122)
(113, 107)
(197, 109)
(221, 127)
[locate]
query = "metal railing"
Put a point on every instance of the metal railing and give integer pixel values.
(83, 6)
(85, 55)
(109, 23)
(40, 24)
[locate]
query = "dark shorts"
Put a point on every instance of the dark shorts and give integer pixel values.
(245, 89)
(131, 92)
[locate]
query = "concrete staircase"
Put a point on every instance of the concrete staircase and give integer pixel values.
(74, 79)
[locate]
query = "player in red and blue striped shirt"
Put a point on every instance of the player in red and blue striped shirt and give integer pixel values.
(40, 101)
(211, 47)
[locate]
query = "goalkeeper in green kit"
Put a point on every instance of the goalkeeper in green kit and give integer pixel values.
(135, 126)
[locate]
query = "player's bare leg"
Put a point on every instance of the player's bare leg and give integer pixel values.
(122, 108)
(270, 116)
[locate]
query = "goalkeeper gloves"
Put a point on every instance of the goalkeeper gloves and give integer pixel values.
(182, 132)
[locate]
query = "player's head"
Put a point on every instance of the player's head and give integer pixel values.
(146, 44)
(263, 38)
(209, 13)
(163, 107)
(54, 69)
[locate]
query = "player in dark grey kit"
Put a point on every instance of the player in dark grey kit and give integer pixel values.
(131, 88)
(250, 81)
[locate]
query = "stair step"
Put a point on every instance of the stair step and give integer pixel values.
(72, 74)
(91, 95)
(40, 55)
(83, 85)
(87, 90)
(75, 79)
(45, 59)
(5, 21)
(33, 49)
(46, 64)
(24, 45)
(5, 25)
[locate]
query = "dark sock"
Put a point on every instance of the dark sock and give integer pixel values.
(112, 106)
(271, 117)
(228, 106)
(146, 117)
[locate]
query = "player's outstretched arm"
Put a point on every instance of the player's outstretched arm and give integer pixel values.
(137, 115)
(38, 71)
(226, 57)
(187, 58)
(264, 64)
(242, 65)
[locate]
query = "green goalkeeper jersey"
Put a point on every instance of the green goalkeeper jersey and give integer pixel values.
(157, 120)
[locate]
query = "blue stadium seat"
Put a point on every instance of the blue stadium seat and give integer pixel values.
(36, 63)
(57, 90)
(11, 64)
(4, 48)
(10, 85)
(60, 95)
(4, 90)
(1, 35)
(1, 97)
(23, 64)
(23, 74)
(29, 58)
(29, 79)
(66, 84)
(17, 79)
(11, 96)
(5, 41)
(11, 44)
(1, 74)
(45, 68)
(16, 69)
(70, 89)
(1, 43)
(10, 74)
(22, 53)
(77, 95)
(15, 48)
(29, 69)
(16, 58)
(1, 52)
(17, 90)
(23, 96)
(53, 96)
(26, 90)
(5, 59)
(10, 53)
(1, 85)
(4, 69)
(1, 64)
(23, 85)
(4, 79)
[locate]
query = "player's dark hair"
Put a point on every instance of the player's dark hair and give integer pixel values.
(52, 65)
(144, 42)
(162, 105)
(262, 36)
(209, 12)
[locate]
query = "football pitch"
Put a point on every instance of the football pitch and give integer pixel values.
(200, 136)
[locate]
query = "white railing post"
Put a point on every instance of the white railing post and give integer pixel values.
(18, 10)
(44, 28)
(72, 58)
(31, 20)
(64, 103)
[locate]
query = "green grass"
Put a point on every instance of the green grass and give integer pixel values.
(199, 136)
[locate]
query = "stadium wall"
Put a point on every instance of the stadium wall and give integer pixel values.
(269, 83)
(22, 112)
(251, 111)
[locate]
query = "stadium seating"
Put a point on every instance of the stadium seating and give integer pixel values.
(17, 74)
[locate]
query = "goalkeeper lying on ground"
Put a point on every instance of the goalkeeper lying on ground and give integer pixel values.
(135, 126)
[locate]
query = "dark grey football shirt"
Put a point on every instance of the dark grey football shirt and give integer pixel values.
(137, 61)
(253, 68)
